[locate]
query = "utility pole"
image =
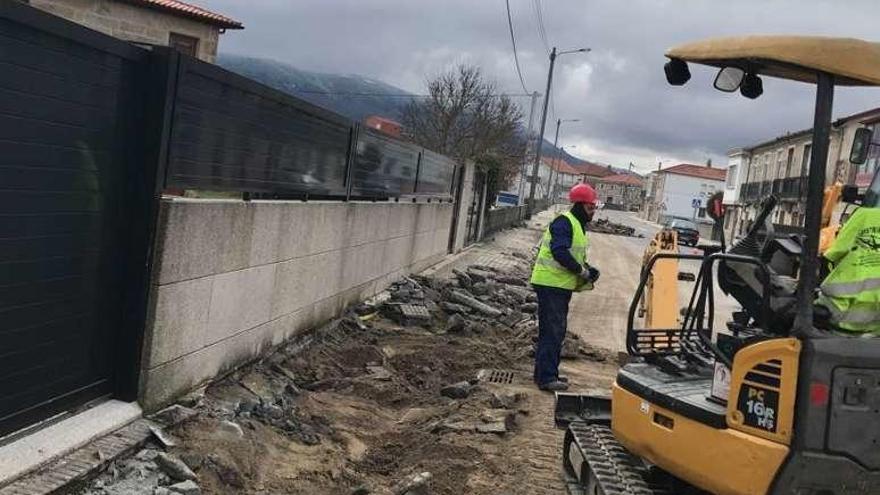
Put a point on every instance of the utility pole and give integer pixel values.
(525, 165)
(553, 55)
(531, 207)
(550, 185)
(553, 185)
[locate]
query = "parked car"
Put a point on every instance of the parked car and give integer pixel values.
(688, 234)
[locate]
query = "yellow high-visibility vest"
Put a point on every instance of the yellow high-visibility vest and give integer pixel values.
(851, 292)
(548, 272)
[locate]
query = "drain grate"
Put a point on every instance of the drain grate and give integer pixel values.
(500, 376)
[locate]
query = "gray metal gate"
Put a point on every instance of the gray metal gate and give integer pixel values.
(68, 168)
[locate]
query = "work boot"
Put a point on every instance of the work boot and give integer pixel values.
(554, 386)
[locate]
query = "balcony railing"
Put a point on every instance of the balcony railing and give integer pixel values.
(788, 188)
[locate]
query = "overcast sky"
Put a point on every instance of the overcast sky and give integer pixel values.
(628, 113)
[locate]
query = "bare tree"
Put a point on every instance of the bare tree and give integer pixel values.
(466, 118)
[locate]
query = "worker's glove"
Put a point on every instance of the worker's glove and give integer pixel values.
(589, 274)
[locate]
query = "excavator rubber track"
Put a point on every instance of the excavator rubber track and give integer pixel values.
(596, 464)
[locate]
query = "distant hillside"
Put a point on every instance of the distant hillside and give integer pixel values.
(349, 95)
(354, 96)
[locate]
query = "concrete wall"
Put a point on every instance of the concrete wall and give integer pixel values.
(132, 23)
(235, 278)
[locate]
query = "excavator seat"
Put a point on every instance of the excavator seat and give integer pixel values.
(684, 393)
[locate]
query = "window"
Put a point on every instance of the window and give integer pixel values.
(805, 160)
(186, 45)
(779, 166)
(788, 162)
(731, 176)
(701, 213)
(766, 166)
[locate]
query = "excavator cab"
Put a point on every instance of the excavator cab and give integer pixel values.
(770, 404)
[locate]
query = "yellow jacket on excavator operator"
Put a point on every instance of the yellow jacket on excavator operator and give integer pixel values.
(851, 292)
(548, 272)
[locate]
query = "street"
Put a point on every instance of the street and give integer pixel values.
(599, 316)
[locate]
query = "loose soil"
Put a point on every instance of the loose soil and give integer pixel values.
(356, 406)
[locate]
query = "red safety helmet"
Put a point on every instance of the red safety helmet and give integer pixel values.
(582, 193)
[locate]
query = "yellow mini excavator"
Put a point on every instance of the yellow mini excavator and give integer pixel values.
(775, 403)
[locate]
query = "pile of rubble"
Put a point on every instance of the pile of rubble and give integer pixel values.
(605, 226)
(422, 353)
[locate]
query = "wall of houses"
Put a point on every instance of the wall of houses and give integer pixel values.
(234, 278)
(132, 23)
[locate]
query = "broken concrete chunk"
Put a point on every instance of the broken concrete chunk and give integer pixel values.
(504, 416)
(464, 279)
(458, 390)
(186, 488)
(506, 400)
(496, 427)
(261, 386)
(462, 298)
(161, 490)
(379, 373)
(165, 439)
(508, 280)
(174, 467)
(173, 415)
(416, 414)
(454, 308)
(416, 484)
(529, 307)
(456, 323)
(230, 428)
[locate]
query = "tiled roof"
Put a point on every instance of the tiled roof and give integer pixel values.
(701, 171)
(561, 166)
(627, 179)
(593, 170)
(187, 10)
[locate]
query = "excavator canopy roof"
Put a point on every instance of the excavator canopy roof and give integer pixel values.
(852, 62)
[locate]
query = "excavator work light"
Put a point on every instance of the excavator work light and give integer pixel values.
(752, 86)
(677, 72)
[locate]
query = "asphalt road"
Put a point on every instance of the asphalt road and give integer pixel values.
(600, 316)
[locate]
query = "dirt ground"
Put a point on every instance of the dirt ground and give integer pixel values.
(364, 404)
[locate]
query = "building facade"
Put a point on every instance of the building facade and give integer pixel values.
(737, 168)
(780, 167)
(621, 191)
(681, 191)
(188, 28)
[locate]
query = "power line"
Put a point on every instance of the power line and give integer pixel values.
(539, 21)
(396, 95)
(513, 42)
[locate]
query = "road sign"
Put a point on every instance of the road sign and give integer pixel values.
(696, 203)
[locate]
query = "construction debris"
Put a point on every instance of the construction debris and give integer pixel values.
(335, 407)
(174, 467)
(605, 226)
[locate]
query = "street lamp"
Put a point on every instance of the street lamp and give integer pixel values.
(553, 55)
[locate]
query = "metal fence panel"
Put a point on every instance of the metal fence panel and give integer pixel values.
(435, 174)
(383, 166)
(231, 133)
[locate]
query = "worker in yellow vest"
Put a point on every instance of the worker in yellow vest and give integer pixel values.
(561, 269)
(851, 292)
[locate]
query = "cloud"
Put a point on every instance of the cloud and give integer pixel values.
(627, 111)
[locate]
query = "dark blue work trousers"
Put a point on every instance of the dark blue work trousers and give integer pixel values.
(552, 325)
